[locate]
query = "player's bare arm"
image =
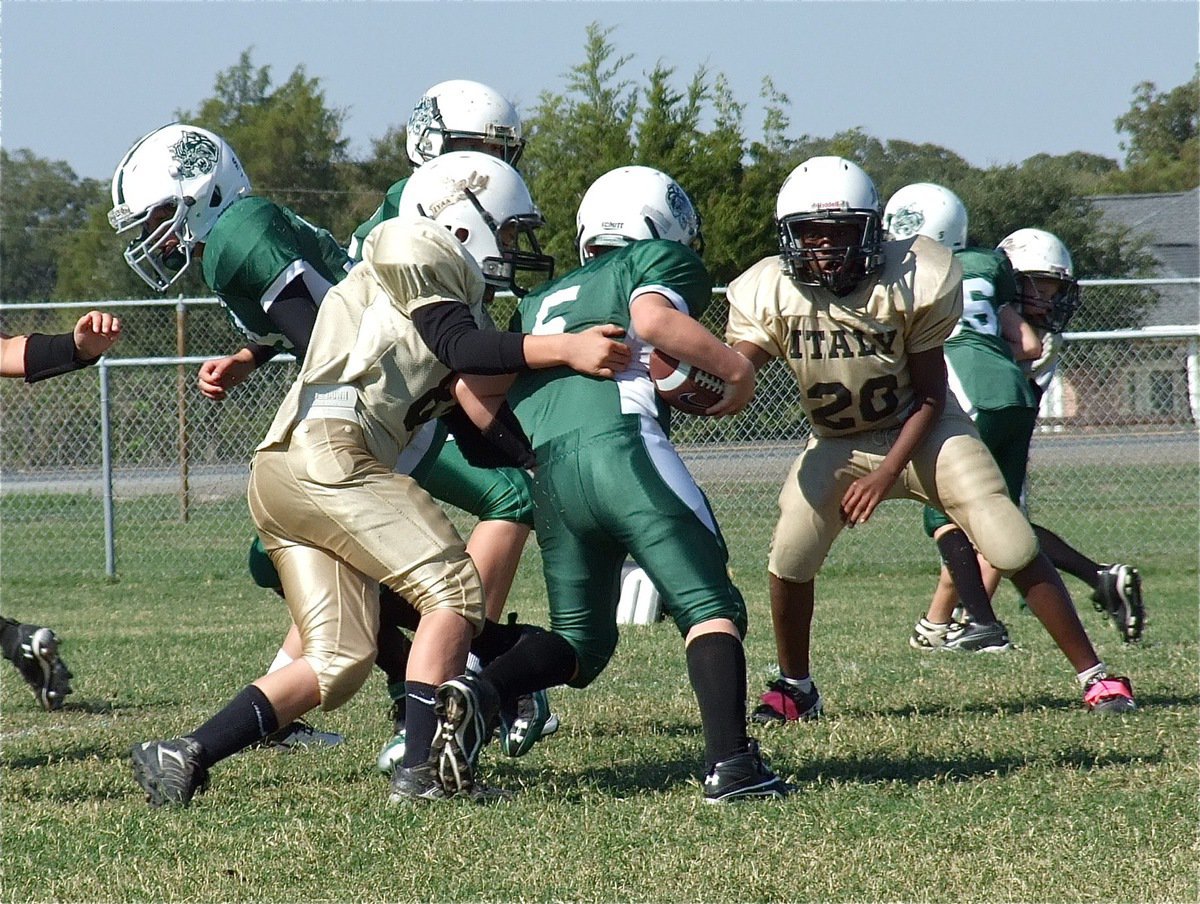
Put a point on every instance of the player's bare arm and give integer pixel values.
(928, 372)
(218, 376)
(597, 352)
(1020, 335)
(668, 329)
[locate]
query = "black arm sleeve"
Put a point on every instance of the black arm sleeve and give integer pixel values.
(503, 445)
(50, 356)
(294, 312)
(450, 331)
(261, 353)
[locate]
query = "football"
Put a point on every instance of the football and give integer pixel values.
(684, 387)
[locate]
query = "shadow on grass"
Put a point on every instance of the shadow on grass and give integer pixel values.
(639, 778)
(74, 755)
(1019, 706)
(871, 770)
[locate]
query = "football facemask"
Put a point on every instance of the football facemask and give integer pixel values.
(1053, 313)
(835, 251)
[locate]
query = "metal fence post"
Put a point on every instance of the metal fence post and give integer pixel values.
(181, 409)
(110, 533)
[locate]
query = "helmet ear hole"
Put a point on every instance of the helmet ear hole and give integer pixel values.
(215, 200)
(462, 234)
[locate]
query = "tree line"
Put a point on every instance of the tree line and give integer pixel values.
(56, 243)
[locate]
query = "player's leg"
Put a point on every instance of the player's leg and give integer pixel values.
(502, 500)
(954, 470)
(809, 521)
(389, 528)
(335, 608)
(1116, 589)
(647, 500)
(1005, 432)
(296, 733)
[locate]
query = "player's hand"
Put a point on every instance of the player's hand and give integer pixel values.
(95, 333)
(739, 389)
(598, 351)
(1052, 349)
(864, 495)
(219, 375)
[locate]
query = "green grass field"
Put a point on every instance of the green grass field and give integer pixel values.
(932, 777)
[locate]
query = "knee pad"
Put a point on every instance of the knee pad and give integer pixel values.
(452, 584)
(593, 657)
(340, 676)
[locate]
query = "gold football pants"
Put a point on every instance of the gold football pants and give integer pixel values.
(952, 471)
(337, 522)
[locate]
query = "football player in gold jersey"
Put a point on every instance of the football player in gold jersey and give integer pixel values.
(861, 323)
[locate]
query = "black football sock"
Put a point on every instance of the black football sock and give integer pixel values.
(540, 659)
(420, 723)
(247, 718)
(959, 556)
(496, 639)
(1065, 557)
(10, 640)
(716, 665)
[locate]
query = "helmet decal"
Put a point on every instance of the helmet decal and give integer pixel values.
(194, 154)
(681, 208)
(456, 190)
(424, 115)
(906, 222)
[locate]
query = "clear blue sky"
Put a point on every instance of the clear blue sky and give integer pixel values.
(996, 82)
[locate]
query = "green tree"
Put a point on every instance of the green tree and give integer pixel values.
(576, 137)
(44, 204)
(366, 180)
(1162, 147)
(289, 140)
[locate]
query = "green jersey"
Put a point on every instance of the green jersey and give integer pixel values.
(981, 369)
(556, 401)
(256, 248)
(388, 208)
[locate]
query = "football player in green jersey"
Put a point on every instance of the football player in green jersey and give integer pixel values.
(33, 649)
(861, 323)
(1047, 296)
(456, 115)
(394, 344)
(984, 357)
(609, 483)
(991, 389)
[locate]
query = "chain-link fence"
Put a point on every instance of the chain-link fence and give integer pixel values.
(125, 467)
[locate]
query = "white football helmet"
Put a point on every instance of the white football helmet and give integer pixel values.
(924, 208)
(632, 203)
(173, 183)
(823, 193)
(1037, 253)
(485, 204)
(462, 110)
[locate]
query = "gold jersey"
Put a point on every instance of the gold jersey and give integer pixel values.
(850, 355)
(364, 336)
